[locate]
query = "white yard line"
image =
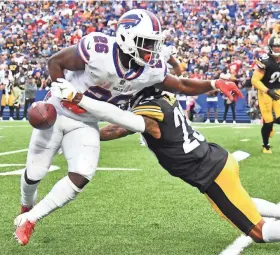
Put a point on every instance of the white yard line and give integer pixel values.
(54, 168)
(244, 140)
(237, 246)
(16, 126)
(117, 169)
(12, 152)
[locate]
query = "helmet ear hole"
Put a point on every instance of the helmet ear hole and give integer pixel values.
(123, 38)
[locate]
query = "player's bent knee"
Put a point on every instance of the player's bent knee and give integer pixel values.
(35, 172)
(78, 180)
(28, 180)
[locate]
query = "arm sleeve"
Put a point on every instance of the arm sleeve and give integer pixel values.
(113, 114)
(256, 81)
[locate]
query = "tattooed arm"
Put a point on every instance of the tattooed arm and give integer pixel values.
(112, 131)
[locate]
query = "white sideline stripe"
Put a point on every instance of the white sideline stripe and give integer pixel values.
(244, 140)
(12, 152)
(208, 127)
(241, 127)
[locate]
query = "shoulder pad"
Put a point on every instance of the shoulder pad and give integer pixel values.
(263, 61)
(150, 108)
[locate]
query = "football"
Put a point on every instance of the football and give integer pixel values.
(42, 115)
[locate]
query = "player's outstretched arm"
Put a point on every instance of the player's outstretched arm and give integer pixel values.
(66, 59)
(191, 87)
(65, 91)
(113, 131)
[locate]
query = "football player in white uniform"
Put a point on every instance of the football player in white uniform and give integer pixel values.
(103, 68)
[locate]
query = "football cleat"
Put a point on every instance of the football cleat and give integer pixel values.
(24, 229)
(266, 149)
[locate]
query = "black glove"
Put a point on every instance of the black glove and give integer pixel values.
(273, 94)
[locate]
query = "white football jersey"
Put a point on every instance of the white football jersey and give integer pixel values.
(103, 78)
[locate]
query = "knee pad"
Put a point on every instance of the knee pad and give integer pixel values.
(35, 173)
(29, 181)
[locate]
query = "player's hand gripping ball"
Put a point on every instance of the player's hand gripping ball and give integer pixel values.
(42, 115)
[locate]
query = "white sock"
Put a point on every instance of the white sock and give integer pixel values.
(271, 231)
(266, 208)
(28, 192)
(62, 193)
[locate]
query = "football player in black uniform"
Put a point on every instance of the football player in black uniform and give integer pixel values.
(185, 153)
(266, 78)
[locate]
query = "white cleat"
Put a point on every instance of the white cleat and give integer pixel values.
(11, 119)
(224, 122)
(24, 119)
(207, 121)
(234, 122)
(216, 121)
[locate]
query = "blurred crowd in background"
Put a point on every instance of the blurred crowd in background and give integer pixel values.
(208, 35)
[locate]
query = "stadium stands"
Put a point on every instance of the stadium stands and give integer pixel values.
(209, 35)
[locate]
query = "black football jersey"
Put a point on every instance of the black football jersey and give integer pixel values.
(181, 150)
(271, 78)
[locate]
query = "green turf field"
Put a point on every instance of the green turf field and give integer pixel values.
(135, 212)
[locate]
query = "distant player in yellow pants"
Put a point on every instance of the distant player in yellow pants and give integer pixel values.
(266, 78)
(7, 96)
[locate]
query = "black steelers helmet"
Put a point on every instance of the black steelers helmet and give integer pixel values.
(274, 41)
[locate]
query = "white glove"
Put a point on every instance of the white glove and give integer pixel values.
(63, 89)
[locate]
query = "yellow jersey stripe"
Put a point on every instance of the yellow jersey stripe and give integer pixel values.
(147, 110)
(147, 106)
(154, 115)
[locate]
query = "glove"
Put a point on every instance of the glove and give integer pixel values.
(228, 88)
(66, 91)
(63, 89)
(273, 94)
